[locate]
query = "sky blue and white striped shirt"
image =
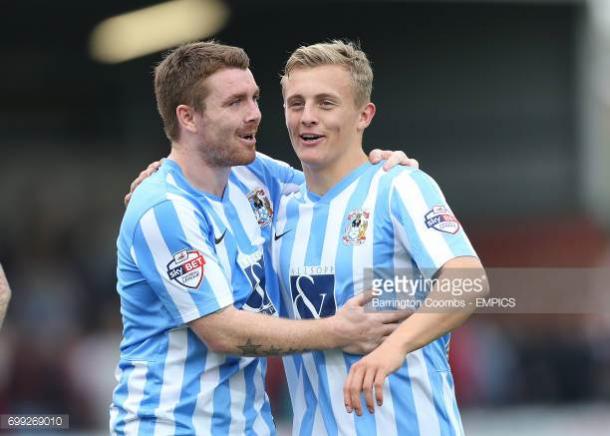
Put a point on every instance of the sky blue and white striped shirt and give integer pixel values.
(370, 220)
(184, 254)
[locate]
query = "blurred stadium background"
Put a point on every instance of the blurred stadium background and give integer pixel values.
(505, 103)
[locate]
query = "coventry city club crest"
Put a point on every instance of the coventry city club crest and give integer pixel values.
(261, 207)
(441, 219)
(355, 230)
(186, 268)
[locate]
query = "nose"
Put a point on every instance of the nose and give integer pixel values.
(254, 113)
(308, 116)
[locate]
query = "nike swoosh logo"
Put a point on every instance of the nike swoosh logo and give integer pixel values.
(276, 236)
(219, 240)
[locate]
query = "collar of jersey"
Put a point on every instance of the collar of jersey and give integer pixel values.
(172, 167)
(339, 187)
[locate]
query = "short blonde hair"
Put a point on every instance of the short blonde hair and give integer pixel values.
(336, 52)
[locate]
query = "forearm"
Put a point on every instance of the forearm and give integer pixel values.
(5, 295)
(422, 328)
(252, 334)
(430, 323)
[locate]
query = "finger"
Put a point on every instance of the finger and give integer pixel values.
(155, 165)
(355, 388)
(367, 387)
(360, 299)
(413, 163)
(376, 155)
(143, 175)
(388, 329)
(126, 199)
(135, 183)
(397, 316)
(385, 154)
(391, 317)
(397, 157)
(347, 398)
(379, 380)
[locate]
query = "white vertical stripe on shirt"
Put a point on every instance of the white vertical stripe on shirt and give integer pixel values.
(259, 425)
(156, 244)
(246, 214)
(415, 204)
(248, 178)
(114, 411)
(208, 382)
(450, 406)
(336, 370)
(422, 394)
(295, 382)
(173, 376)
(213, 273)
(276, 247)
(221, 249)
(237, 387)
(135, 392)
(385, 420)
(299, 251)
(362, 255)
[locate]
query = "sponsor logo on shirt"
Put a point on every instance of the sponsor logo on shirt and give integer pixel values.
(258, 301)
(355, 230)
(186, 268)
(261, 207)
(313, 292)
(441, 219)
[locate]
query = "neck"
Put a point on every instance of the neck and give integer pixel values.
(320, 179)
(198, 172)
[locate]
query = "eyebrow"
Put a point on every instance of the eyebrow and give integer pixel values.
(326, 95)
(317, 96)
(242, 95)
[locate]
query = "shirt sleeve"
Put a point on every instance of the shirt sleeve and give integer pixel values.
(172, 250)
(288, 178)
(424, 223)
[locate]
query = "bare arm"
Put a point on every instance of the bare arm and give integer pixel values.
(422, 328)
(239, 332)
(418, 330)
(5, 295)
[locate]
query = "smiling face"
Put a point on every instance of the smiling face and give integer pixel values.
(226, 128)
(324, 123)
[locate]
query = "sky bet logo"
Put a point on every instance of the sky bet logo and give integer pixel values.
(186, 268)
(441, 219)
(313, 292)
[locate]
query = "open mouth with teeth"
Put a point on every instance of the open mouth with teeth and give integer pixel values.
(249, 137)
(309, 138)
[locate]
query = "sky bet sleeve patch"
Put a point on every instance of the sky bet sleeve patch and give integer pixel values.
(186, 268)
(441, 219)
